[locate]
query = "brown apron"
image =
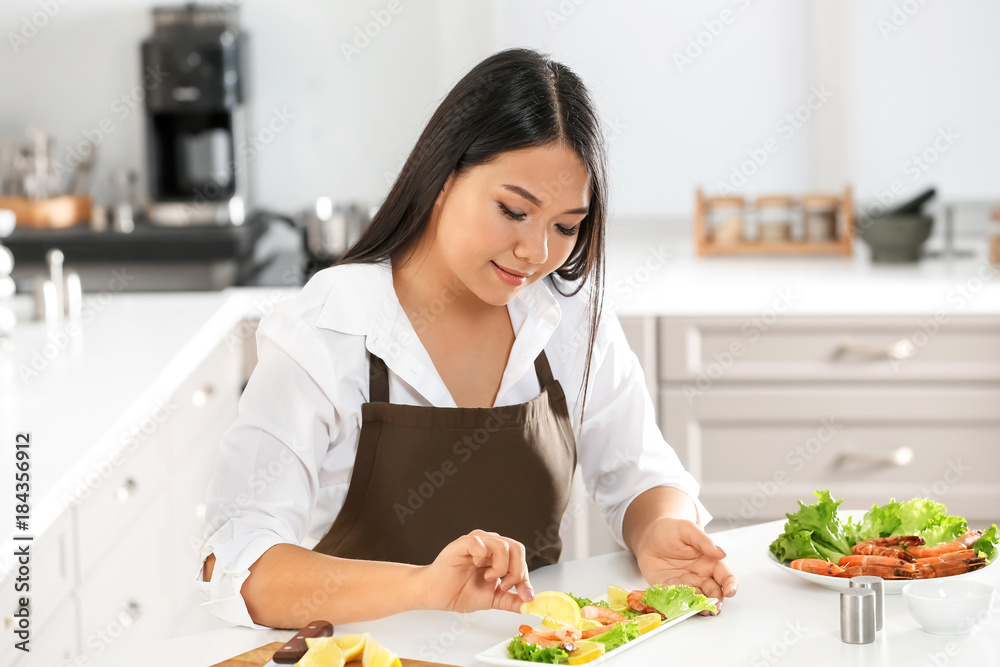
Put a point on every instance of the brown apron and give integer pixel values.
(424, 476)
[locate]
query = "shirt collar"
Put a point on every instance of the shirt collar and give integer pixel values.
(361, 300)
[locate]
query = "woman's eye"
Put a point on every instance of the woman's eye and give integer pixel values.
(510, 214)
(568, 231)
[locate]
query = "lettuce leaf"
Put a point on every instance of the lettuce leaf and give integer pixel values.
(674, 601)
(987, 544)
(522, 650)
(920, 516)
(618, 635)
(815, 531)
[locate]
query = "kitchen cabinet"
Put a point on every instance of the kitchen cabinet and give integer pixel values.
(868, 407)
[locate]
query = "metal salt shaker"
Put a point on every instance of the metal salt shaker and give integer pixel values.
(877, 585)
(857, 616)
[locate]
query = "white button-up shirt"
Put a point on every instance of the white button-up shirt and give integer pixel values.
(285, 464)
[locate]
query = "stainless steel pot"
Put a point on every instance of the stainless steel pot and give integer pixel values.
(330, 229)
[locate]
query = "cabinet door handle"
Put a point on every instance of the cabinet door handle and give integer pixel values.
(901, 350)
(200, 397)
(134, 609)
(126, 490)
(901, 456)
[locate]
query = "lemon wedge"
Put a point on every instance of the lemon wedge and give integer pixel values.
(376, 655)
(617, 597)
(648, 622)
(585, 652)
(350, 645)
(554, 605)
(323, 652)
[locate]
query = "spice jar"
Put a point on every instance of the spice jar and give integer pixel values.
(819, 217)
(725, 218)
(774, 218)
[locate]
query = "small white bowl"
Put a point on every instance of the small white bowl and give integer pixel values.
(944, 607)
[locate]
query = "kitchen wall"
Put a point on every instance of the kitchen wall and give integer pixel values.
(692, 92)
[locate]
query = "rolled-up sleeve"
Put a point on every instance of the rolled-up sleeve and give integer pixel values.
(266, 476)
(621, 450)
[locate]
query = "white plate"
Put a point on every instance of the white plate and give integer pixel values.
(498, 654)
(889, 586)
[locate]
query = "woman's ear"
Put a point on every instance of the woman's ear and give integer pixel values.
(443, 194)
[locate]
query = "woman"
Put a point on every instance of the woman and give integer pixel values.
(405, 413)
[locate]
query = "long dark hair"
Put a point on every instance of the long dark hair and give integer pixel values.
(514, 99)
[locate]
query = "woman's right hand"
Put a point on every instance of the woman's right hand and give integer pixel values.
(475, 572)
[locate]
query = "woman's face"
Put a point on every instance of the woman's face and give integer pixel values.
(504, 225)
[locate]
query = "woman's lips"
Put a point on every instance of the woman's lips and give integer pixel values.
(513, 279)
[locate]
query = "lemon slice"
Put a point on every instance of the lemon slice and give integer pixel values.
(617, 597)
(350, 645)
(648, 622)
(376, 655)
(559, 607)
(323, 652)
(589, 624)
(585, 652)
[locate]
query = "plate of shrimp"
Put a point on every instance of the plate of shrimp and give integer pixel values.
(898, 560)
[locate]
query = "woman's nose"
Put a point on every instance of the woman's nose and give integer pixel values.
(533, 246)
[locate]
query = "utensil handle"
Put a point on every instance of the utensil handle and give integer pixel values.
(296, 647)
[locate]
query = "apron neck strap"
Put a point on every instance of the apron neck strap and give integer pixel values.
(378, 380)
(378, 376)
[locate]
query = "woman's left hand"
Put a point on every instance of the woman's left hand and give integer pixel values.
(678, 551)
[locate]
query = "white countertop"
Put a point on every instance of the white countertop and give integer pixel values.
(653, 270)
(774, 619)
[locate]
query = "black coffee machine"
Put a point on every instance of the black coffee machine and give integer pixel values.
(196, 118)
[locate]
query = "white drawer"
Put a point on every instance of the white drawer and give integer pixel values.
(758, 450)
(123, 598)
(703, 352)
(60, 639)
(117, 500)
(210, 393)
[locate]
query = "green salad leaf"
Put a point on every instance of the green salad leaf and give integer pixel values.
(677, 600)
(815, 531)
(987, 544)
(618, 635)
(522, 650)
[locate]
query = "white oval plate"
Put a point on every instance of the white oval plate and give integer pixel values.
(889, 586)
(497, 655)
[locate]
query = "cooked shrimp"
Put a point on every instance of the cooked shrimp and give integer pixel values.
(602, 614)
(885, 561)
(869, 549)
(635, 601)
(884, 571)
(904, 540)
(816, 566)
(593, 632)
(562, 635)
(954, 555)
(961, 544)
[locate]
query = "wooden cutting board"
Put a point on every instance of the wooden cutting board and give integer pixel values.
(261, 655)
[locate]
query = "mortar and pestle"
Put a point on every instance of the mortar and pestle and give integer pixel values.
(898, 234)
